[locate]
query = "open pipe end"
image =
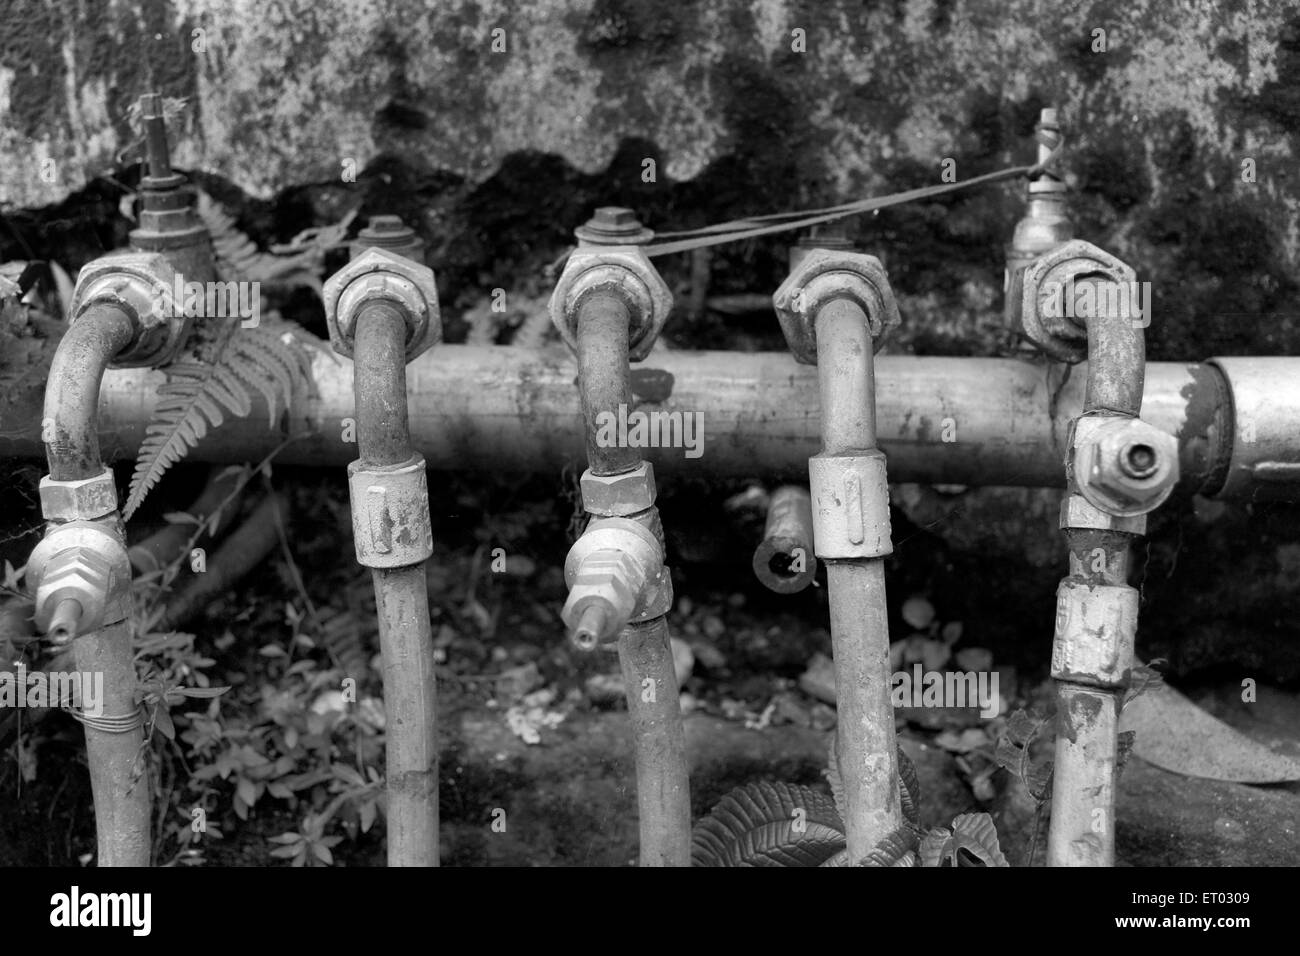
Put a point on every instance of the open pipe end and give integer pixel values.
(65, 621)
(591, 625)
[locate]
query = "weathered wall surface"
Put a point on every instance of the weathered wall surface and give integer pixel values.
(290, 92)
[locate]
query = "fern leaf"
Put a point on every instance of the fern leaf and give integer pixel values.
(768, 824)
(197, 396)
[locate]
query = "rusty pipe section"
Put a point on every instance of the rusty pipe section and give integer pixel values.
(784, 561)
(609, 305)
(832, 306)
(1118, 469)
(940, 419)
(382, 309)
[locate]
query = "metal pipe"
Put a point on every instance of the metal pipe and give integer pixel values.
(97, 620)
(602, 340)
(114, 748)
(401, 597)
(784, 560)
(1082, 827)
(604, 379)
(942, 420)
(859, 619)
(72, 390)
(662, 777)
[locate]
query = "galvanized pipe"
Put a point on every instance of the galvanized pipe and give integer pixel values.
(865, 739)
(604, 378)
(72, 390)
(1082, 827)
(971, 421)
(402, 601)
(114, 746)
(119, 779)
(644, 650)
(784, 560)
(662, 777)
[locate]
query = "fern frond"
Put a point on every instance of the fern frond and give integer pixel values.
(197, 396)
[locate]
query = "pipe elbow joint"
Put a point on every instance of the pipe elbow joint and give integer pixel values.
(623, 271)
(821, 277)
(377, 275)
(142, 286)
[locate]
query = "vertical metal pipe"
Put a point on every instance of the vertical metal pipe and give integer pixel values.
(644, 649)
(865, 737)
(604, 378)
(663, 789)
(402, 601)
(118, 778)
(1082, 827)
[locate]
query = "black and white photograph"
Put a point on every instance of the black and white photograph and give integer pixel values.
(578, 434)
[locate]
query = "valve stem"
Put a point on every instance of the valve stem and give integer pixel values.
(155, 131)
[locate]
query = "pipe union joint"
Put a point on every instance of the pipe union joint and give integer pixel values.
(617, 496)
(850, 505)
(1046, 309)
(1096, 626)
(142, 284)
(390, 514)
(80, 500)
(624, 271)
(617, 566)
(1077, 512)
(378, 275)
(1123, 466)
(826, 274)
(83, 562)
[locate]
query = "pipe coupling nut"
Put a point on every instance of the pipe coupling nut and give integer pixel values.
(623, 271)
(1096, 628)
(390, 514)
(850, 505)
(378, 275)
(618, 496)
(83, 562)
(80, 500)
(617, 565)
(826, 274)
(1123, 466)
(1079, 513)
(143, 285)
(1047, 304)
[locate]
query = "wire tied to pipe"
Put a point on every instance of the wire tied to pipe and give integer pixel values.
(769, 224)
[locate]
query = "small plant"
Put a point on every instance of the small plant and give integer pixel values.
(782, 824)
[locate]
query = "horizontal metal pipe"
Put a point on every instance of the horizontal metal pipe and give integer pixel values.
(975, 421)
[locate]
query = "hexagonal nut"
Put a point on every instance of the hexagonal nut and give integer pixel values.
(380, 275)
(79, 500)
(826, 274)
(617, 496)
(143, 285)
(1045, 278)
(627, 272)
(1124, 466)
